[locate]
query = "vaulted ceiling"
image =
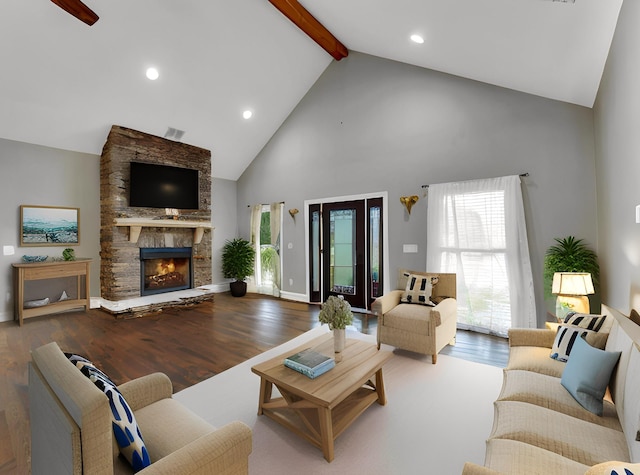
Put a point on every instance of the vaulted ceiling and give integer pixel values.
(64, 83)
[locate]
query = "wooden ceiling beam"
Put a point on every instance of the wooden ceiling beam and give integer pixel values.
(312, 27)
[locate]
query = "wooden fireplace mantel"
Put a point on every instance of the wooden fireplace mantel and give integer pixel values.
(135, 226)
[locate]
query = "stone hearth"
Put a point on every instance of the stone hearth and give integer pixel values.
(120, 258)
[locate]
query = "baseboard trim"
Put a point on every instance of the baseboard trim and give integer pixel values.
(293, 296)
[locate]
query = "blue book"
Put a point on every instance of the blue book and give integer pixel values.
(310, 363)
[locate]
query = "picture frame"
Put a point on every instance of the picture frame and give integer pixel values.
(49, 226)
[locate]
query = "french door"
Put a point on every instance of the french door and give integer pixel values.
(346, 251)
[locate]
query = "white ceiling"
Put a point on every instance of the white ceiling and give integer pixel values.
(63, 83)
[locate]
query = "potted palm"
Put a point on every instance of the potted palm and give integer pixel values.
(237, 263)
(336, 312)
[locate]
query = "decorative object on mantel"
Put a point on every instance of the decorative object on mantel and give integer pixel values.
(238, 256)
(409, 201)
(69, 254)
(336, 312)
(293, 212)
(34, 258)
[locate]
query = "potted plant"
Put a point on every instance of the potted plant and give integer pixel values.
(336, 312)
(569, 255)
(237, 263)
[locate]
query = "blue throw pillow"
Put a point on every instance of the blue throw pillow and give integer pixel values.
(125, 428)
(587, 374)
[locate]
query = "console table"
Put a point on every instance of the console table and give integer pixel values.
(31, 271)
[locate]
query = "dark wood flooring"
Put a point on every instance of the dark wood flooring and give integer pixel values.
(189, 344)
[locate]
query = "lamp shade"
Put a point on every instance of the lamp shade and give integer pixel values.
(572, 283)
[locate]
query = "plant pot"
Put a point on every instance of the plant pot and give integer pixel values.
(238, 288)
(338, 339)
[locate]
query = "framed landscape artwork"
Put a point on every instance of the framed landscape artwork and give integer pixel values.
(49, 226)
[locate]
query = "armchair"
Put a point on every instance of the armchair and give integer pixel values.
(414, 327)
(71, 428)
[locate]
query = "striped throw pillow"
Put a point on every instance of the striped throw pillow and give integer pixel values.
(565, 339)
(584, 320)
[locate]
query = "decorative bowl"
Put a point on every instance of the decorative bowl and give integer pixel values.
(34, 258)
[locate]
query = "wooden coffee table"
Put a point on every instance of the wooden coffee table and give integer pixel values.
(320, 409)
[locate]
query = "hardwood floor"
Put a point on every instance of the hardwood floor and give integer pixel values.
(189, 344)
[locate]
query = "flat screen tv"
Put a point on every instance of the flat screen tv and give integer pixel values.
(162, 186)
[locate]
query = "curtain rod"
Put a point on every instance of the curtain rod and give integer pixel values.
(521, 175)
(266, 204)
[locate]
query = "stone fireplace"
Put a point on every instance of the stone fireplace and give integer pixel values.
(126, 231)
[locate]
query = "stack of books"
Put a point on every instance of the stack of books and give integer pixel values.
(310, 363)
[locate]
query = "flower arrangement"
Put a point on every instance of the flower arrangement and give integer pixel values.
(336, 312)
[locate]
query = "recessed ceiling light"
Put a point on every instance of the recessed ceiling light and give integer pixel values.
(247, 114)
(153, 74)
(417, 39)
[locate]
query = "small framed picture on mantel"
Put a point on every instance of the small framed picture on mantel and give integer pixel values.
(49, 226)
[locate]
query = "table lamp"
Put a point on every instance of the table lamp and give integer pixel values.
(572, 289)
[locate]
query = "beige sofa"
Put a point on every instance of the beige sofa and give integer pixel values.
(419, 328)
(539, 428)
(71, 429)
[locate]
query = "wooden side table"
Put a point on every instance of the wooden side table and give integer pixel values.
(32, 271)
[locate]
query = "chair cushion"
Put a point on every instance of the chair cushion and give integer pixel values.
(410, 318)
(125, 427)
(169, 426)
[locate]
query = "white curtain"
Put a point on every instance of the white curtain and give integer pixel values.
(477, 229)
(275, 223)
(253, 283)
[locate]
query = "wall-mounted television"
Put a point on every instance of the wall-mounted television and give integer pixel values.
(163, 186)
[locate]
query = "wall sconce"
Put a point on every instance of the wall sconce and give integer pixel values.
(293, 212)
(572, 289)
(409, 201)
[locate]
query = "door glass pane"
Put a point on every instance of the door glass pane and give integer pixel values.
(342, 251)
(374, 250)
(315, 251)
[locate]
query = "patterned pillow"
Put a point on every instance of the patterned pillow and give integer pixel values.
(418, 289)
(125, 428)
(565, 339)
(584, 320)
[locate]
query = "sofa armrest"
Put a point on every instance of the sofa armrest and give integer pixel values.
(141, 392)
(225, 451)
(473, 469)
(542, 337)
(383, 304)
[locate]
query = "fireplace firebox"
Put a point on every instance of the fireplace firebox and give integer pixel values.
(165, 269)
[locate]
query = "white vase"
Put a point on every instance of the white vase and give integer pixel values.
(338, 339)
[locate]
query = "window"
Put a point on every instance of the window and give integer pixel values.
(476, 230)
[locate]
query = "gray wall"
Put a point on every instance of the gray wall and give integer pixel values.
(34, 175)
(224, 219)
(371, 125)
(617, 117)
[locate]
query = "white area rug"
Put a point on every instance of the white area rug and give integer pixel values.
(436, 418)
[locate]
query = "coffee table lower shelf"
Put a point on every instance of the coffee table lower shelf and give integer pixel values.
(306, 420)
